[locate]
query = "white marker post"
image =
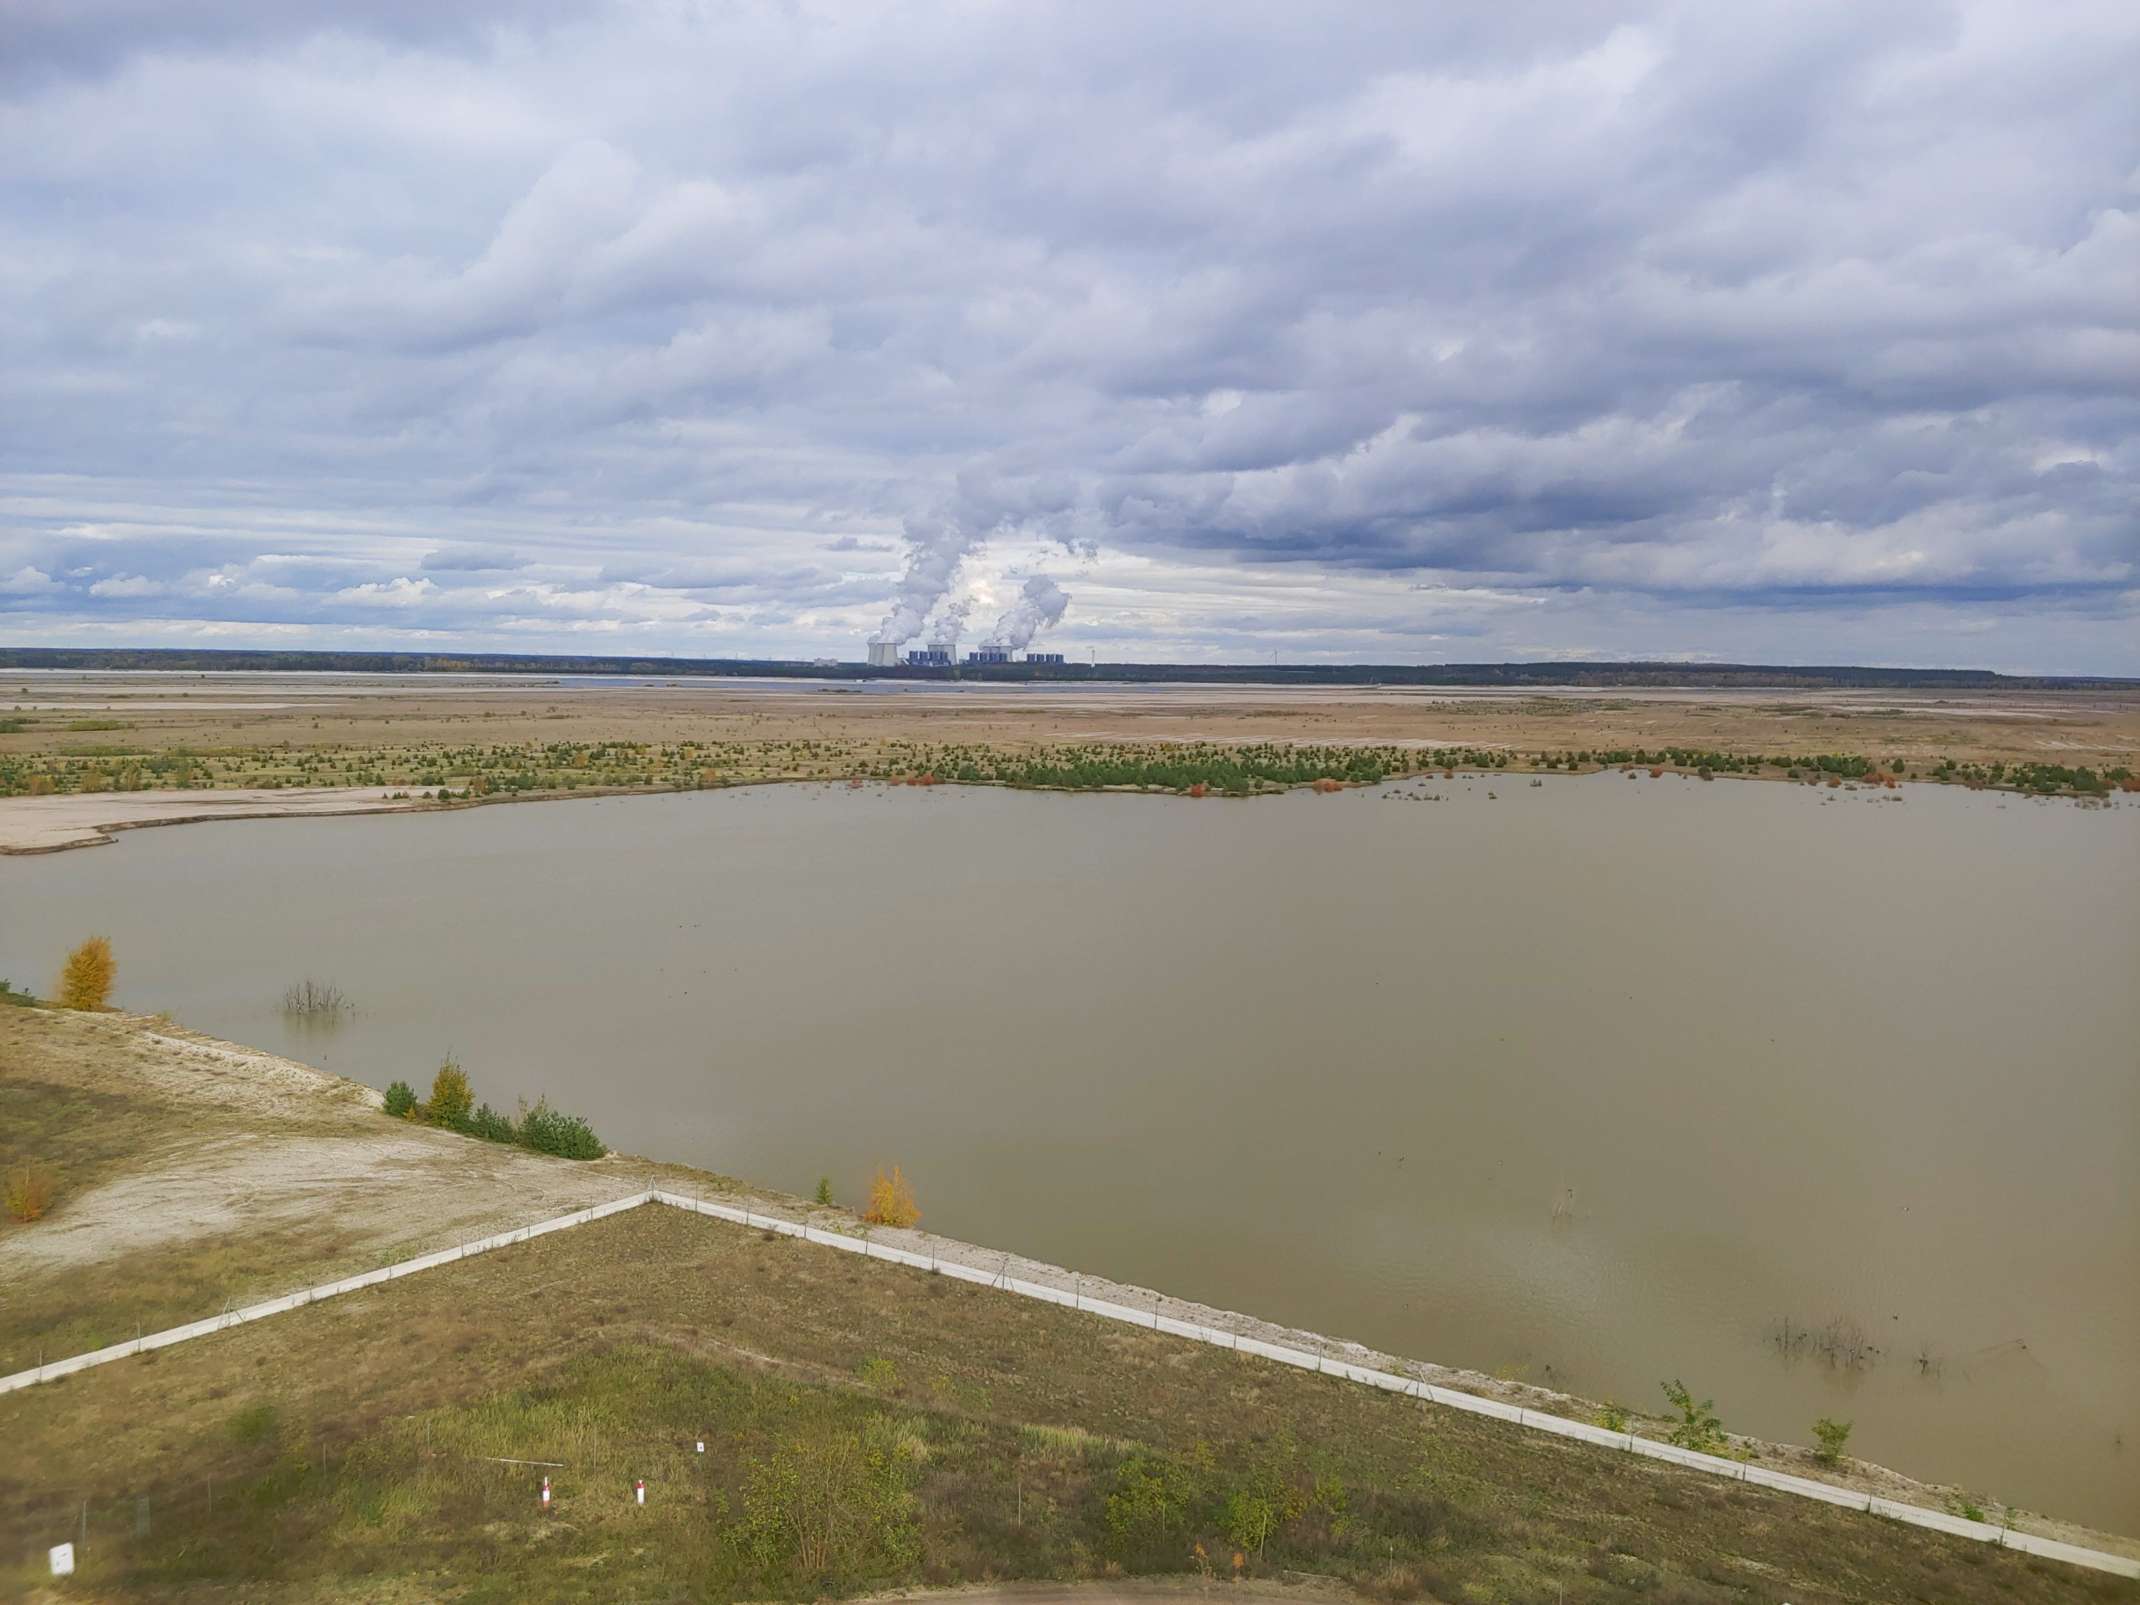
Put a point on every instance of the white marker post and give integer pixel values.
(63, 1560)
(639, 1489)
(546, 1496)
(702, 1446)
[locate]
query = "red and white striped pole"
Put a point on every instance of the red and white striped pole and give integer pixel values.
(546, 1496)
(639, 1489)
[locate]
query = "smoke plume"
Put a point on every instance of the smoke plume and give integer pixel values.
(1041, 603)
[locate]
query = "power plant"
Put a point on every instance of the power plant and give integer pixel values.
(944, 655)
(932, 569)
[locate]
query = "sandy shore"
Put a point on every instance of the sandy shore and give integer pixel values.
(51, 824)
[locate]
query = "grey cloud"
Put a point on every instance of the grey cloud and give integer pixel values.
(471, 560)
(1657, 316)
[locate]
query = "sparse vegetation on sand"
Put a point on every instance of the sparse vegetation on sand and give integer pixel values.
(452, 1105)
(461, 772)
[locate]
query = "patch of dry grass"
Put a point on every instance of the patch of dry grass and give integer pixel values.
(612, 1348)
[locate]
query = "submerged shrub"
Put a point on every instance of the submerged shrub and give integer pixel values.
(400, 1099)
(551, 1131)
(315, 1000)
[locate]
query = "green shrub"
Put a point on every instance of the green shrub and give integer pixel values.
(491, 1126)
(1149, 1509)
(830, 1509)
(451, 1097)
(255, 1423)
(400, 1100)
(1251, 1518)
(1699, 1426)
(824, 1183)
(550, 1131)
(1612, 1417)
(1831, 1435)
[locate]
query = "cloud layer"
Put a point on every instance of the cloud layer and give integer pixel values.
(1798, 332)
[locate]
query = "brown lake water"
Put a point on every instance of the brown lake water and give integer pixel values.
(1589, 1084)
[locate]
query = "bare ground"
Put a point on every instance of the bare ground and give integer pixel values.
(194, 1173)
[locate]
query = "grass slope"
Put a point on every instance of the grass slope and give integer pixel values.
(867, 1426)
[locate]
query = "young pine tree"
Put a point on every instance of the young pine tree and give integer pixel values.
(451, 1097)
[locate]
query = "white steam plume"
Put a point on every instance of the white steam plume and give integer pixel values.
(936, 546)
(950, 621)
(1041, 603)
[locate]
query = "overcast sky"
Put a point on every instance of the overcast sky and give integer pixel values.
(1421, 333)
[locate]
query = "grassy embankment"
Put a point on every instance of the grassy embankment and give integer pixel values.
(866, 1425)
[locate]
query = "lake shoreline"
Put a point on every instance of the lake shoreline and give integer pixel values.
(1519, 995)
(30, 826)
(274, 1090)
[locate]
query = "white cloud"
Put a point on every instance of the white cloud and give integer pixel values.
(128, 585)
(28, 581)
(400, 591)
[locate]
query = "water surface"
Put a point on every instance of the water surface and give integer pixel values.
(1588, 1083)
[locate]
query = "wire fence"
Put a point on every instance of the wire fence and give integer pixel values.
(134, 1513)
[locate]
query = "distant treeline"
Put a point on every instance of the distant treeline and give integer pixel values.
(1709, 675)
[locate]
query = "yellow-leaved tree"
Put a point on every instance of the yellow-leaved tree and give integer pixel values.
(86, 981)
(451, 1097)
(891, 1200)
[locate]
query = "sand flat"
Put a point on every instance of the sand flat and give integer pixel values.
(48, 824)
